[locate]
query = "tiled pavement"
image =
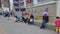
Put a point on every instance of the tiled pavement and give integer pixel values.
(11, 27)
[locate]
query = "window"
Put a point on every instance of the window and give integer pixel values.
(23, 9)
(31, 1)
(21, 0)
(15, 0)
(17, 9)
(16, 4)
(22, 4)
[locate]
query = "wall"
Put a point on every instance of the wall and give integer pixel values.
(6, 8)
(58, 8)
(51, 9)
(11, 4)
(6, 3)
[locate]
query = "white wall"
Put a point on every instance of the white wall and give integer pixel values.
(11, 4)
(6, 8)
(25, 3)
(58, 8)
(35, 2)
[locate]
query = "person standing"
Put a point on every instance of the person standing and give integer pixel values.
(18, 15)
(44, 21)
(57, 24)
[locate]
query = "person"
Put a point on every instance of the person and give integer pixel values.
(44, 12)
(45, 20)
(23, 16)
(5, 13)
(11, 13)
(31, 19)
(57, 24)
(26, 18)
(18, 15)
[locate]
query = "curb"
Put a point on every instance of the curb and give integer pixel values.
(49, 25)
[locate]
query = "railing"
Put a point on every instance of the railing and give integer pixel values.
(30, 4)
(45, 1)
(40, 2)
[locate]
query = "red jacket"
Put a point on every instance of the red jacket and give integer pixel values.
(57, 22)
(23, 14)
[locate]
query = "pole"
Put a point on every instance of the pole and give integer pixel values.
(9, 4)
(2, 5)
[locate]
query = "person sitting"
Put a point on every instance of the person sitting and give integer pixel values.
(31, 19)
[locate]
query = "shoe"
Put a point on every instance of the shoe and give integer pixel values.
(40, 27)
(16, 21)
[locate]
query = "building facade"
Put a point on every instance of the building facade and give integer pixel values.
(4, 5)
(36, 7)
(18, 4)
(0, 5)
(58, 8)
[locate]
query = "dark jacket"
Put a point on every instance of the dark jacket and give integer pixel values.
(46, 18)
(31, 16)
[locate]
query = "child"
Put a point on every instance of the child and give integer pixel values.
(31, 19)
(57, 24)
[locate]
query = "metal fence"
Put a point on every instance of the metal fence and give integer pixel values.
(40, 2)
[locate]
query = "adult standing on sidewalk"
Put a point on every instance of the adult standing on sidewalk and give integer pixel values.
(45, 19)
(18, 15)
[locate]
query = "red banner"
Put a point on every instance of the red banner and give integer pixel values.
(29, 1)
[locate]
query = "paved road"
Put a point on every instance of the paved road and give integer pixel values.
(12, 27)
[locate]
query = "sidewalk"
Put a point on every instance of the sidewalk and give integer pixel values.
(2, 30)
(22, 28)
(48, 25)
(39, 22)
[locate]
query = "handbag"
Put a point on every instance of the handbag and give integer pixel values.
(31, 20)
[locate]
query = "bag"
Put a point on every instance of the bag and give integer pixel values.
(31, 20)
